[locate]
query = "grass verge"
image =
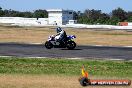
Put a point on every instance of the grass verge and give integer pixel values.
(14, 65)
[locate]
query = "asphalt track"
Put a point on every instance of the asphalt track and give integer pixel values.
(86, 52)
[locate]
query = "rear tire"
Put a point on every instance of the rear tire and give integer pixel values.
(48, 45)
(71, 45)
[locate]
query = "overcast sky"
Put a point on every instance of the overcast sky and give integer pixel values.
(77, 5)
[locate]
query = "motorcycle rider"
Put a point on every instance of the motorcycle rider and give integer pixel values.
(61, 34)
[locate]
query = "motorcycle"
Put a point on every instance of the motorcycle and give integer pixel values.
(65, 43)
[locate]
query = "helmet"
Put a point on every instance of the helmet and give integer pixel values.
(58, 29)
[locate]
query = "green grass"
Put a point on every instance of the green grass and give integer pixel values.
(104, 68)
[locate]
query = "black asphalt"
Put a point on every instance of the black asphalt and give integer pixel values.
(31, 50)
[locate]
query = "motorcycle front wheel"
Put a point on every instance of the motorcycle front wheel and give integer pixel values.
(48, 45)
(71, 45)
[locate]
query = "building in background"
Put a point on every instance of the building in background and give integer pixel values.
(55, 17)
(59, 16)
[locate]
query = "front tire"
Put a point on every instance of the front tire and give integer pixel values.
(84, 81)
(71, 45)
(48, 45)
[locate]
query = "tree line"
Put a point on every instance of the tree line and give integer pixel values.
(87, 17)
(12, 13)
(98, 17)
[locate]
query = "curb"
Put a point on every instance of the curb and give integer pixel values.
(110, 46)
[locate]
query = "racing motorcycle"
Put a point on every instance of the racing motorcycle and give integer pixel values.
(65, 43)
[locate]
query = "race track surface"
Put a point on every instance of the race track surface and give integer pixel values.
(87, 52)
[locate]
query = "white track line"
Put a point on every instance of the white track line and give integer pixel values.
(110, 46)
(76, 58)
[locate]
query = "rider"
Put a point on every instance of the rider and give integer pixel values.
(61, 34)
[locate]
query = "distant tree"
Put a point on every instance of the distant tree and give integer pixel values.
(13, 13)
(120, 14)
(0, 8)
(103, 18)
(129, 13)
(19, 14)
(1, 12)
(75, 15)
(129, 16)
(6, 13)
(80, 19)
(129, 19)
(93, 14)
(28, 14)
(78, 13)
(40, 14)
(114, 20)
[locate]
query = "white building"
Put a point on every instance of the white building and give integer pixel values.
(59, 16)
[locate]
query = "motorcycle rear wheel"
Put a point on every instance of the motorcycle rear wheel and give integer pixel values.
(71, 45)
